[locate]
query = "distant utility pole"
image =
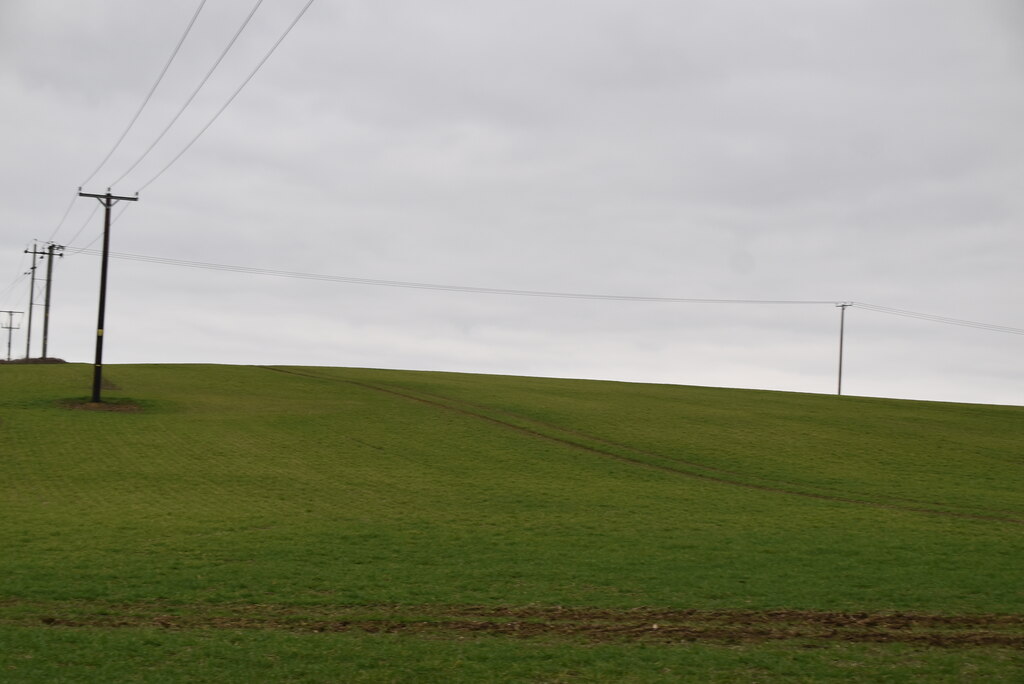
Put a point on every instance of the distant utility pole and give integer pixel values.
(50, 249)
(31, 297)
(842, 324)
(108, 201)
(9, 325)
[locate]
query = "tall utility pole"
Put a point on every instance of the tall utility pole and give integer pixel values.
(50, 249)
(108, 201)
(10, 326)
(842, 324)
(31, 298)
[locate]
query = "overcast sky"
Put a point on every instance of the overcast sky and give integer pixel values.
(826, 150)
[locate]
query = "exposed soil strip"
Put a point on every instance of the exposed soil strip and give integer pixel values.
(447, 404)
(590, 624)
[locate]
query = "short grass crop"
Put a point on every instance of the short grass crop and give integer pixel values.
(381, 506)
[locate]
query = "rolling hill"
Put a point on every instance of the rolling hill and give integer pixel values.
(418, 525)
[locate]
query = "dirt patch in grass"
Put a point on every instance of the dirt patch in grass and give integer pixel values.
(115, 405)
(589, 624)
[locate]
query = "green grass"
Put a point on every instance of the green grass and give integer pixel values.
(329, 488)
(33, 655)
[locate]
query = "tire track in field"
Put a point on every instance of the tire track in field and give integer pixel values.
(604, 625)
(720, 476)
(776, 483)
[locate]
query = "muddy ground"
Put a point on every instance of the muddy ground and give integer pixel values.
(650, 625)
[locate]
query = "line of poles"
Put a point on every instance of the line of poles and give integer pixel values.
(108, 200)
(52, 250)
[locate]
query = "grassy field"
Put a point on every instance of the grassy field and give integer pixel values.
(328, 524)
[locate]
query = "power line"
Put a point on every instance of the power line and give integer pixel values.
(149, 95)
(63, 218)
(939, 319)
(114, 220)
(230, 99)
(146, 100)
(434, 286)
(539, 293)
(84, 225)
(191, 97)
(17, 280)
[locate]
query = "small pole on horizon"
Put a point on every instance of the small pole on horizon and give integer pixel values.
(842, 324)
(10, 326)
(108, 201)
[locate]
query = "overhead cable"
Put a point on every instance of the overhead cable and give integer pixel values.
(230, 99)
(145, 101)
(539, 293)
(63, 218)
(113, 220)
(434, 286)
(149, 95)
(195, 92)
(938, 319)
(84, 224)
(14, 283)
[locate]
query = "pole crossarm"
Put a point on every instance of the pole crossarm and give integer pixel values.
(108, 197)
(9, 321)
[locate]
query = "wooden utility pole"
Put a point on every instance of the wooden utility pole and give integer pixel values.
(31, 298)
(842, 323)
(10, 326)
(50, 249)
(108, 201)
